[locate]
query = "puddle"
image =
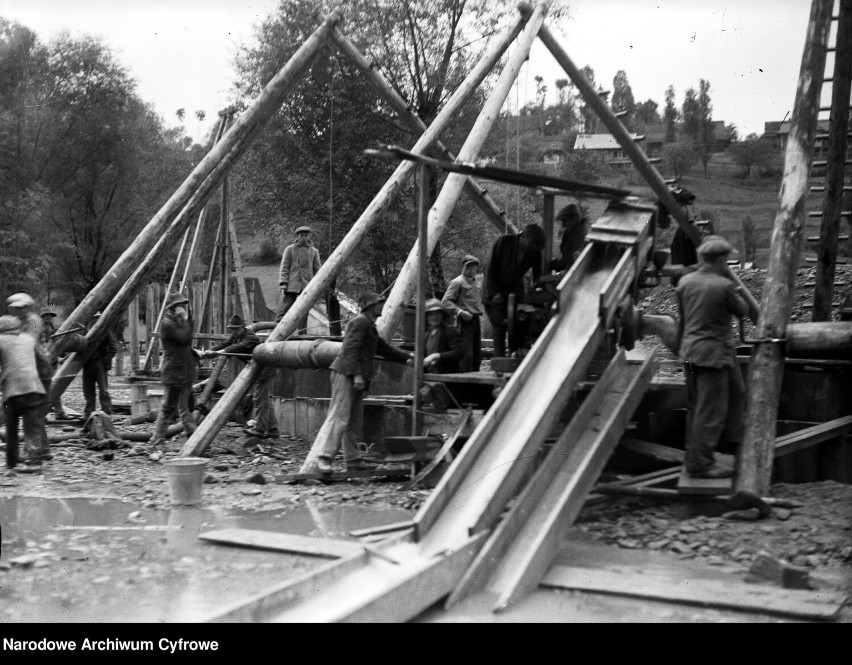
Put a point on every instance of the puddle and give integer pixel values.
(109, 560)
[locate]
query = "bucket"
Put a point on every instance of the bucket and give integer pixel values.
(186, 477)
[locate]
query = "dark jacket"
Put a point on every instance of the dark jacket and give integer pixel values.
(361, 343)
(507, 266)
(243, 342)
(180, 363)
(571, 244)
(450, 348)
(105, 351)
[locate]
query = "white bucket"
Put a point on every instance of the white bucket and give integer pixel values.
(186, 477)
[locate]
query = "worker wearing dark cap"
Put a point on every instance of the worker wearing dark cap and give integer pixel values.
(299, 263)
(573, 237)
(715, 390)
(463, 300)
(48, 315)
(351, 372)
(512, 256)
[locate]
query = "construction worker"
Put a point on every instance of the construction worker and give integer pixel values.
(23, 393)
(47, 331)
(351, 372)
(242, 341)
(715, 391)
(512, 256)
(96, 371)
(463, 300)
(299, 263)
(573, 238)
(178, 369)
(22, 306)
(443, 350)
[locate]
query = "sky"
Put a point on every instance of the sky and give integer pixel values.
(180, 52)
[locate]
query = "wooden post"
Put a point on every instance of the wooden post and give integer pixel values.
(133, 315)
(478, 194)
(237, 262)
(316, 288)
(123, 281)
(547, 224)
(639, 159)
(766, 371)
(230, 148)
(225, 265)
(422, 290)
(446, 201)
(836, 167)
(207, 300)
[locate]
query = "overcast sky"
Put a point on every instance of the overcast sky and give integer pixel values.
(180, 51)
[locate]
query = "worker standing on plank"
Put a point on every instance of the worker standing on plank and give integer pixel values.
(463, 299)
(512, 256)
(715, 390)
(299, 263)
(351, 372)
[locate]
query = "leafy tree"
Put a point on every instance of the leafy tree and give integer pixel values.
(691, 114)
(754, 152)
(705, 114)
(679, 158)
(670, 115)
(646, 113)
(587, 114)
(622, 97)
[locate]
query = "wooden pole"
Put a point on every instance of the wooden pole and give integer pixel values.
(225, 265)
(316, 288)
(754, 463)
(547, 212)
(422, 290)
(207, 299)
(836, 168)
(637, 157)
(446, 201)
(238, 138)
(478, 194)
(124, 285)
(133, 315)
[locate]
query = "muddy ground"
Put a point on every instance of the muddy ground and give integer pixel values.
(94, 537)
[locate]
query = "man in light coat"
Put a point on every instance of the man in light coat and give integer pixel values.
(299, 263)
(463, 300)
(23, 392)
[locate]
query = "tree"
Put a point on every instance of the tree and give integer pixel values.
(622, 97)
(705, 114)
(691, 115)
(751, 153)
(540, 97)
(588, 115)
(679, 158)
(646, 113)
(670, 115)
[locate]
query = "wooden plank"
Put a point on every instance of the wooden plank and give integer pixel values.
(238, 270)
(331, 548)
(616, 287)
(703, 486)
(811, 436)
(425, 471)
(342, 475)
(653, 450)
(478, 378)
(384, 528)
(818, 605)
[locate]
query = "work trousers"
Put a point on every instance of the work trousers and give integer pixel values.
(470, 337)
(343, 424)
(95, 377)
(177, 402)
(264, 415)
(287, 301)
(54, 401)
(715, 399)
(497, 316)
(30, 409)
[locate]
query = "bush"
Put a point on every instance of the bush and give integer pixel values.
(267, 252)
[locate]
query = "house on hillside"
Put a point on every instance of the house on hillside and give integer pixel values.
(779, 132)
(607, 146)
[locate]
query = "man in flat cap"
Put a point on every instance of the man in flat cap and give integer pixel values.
(715, 390)
(48, 316)
(96, 372)
(299, 263)
(463, 300)
(351, 372)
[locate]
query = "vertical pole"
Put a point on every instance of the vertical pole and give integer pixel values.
(422, 290)
(133, 315)
(547, 223)
(766, 371)
(225, 266)
(836, 167)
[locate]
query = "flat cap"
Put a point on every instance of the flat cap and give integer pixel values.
(468, 259)
(304, 229)
(714, 246)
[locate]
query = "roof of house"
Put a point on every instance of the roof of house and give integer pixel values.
(600, 141)
(784, 127)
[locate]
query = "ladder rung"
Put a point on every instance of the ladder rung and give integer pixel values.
(824, 137)
(821, 188)
(817, 213)
(816, 238)
(823, 162)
